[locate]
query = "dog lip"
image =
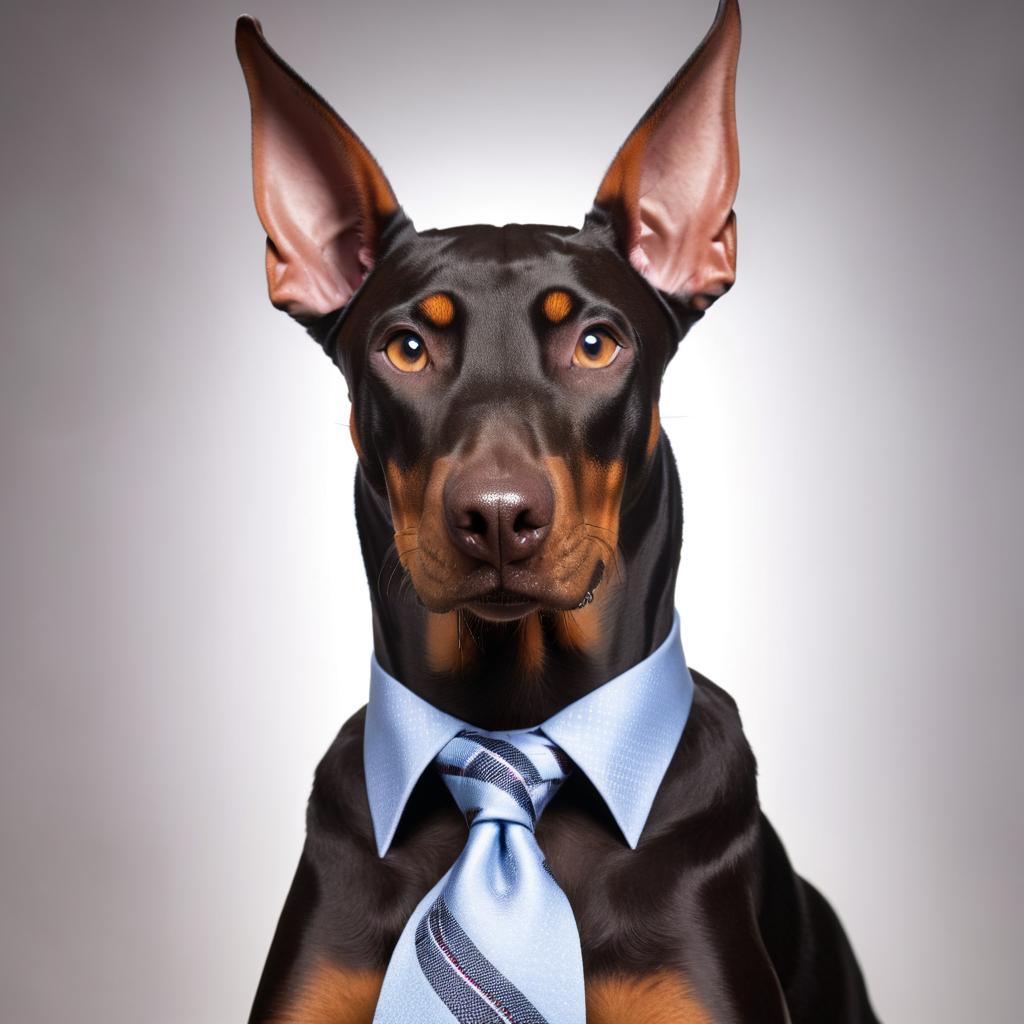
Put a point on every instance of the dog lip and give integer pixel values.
(501, 595)
(513, 598)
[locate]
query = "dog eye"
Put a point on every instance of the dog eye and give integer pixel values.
(595, 349)
(407, 352)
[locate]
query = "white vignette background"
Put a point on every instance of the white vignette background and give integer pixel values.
(185, 624)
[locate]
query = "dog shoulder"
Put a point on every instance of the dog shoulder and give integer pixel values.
(711, 781)
(714, 692)
(715, 725)
(338, 805)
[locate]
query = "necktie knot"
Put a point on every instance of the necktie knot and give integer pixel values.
(506, 777)
(495, 940)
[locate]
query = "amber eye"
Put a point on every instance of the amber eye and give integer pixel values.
(595, 349)
(407, 352)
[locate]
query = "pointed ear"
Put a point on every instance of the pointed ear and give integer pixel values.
(670, 189)
(320, 195)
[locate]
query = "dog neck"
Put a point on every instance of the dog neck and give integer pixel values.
(515, 675)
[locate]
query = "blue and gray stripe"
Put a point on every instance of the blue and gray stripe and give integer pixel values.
(472, 988)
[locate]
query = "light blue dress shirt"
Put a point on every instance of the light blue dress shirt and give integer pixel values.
(621, 736)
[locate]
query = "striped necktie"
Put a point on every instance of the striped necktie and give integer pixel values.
(495, 941)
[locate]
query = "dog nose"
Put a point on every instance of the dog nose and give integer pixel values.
(498, 514)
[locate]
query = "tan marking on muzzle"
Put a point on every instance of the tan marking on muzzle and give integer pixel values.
(405, 496)
(557, 306)
(416, 497)
(438, 309)
(591, 507)
(601, 485)
(664, 997)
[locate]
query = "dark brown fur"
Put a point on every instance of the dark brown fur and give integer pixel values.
(462, 352)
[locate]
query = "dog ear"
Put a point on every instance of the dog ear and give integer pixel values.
(320, 195)
(670, 189)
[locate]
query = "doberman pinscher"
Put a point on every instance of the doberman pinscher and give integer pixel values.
(520, 518)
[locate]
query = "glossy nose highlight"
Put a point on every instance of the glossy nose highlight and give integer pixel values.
(498, 515)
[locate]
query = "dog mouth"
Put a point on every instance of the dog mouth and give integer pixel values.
(507, 603)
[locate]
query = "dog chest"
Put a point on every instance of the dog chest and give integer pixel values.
(336, 995)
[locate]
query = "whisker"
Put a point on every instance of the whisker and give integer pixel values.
(405, 587)
(392, 549)
(398, 565)
(467, 620)
(613, 555)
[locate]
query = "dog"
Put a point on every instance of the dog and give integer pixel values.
(520, 518)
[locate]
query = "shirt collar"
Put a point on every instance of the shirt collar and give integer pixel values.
(621, 736)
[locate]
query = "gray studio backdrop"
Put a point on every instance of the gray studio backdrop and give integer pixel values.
(184, 625)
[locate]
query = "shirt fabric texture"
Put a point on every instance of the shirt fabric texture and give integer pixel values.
(622, 736)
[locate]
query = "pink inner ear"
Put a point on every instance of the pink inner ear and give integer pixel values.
(306, 197)
(319, 194)
(676, 175)
(687, 183)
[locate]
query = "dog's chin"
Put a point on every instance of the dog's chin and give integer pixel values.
(502, 607)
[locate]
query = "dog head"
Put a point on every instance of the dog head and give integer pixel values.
(504, 381)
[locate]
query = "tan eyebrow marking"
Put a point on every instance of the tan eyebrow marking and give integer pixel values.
(438, 309)
(557, 306)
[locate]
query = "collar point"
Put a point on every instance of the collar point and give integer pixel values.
(632, 839)
(382, 839)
